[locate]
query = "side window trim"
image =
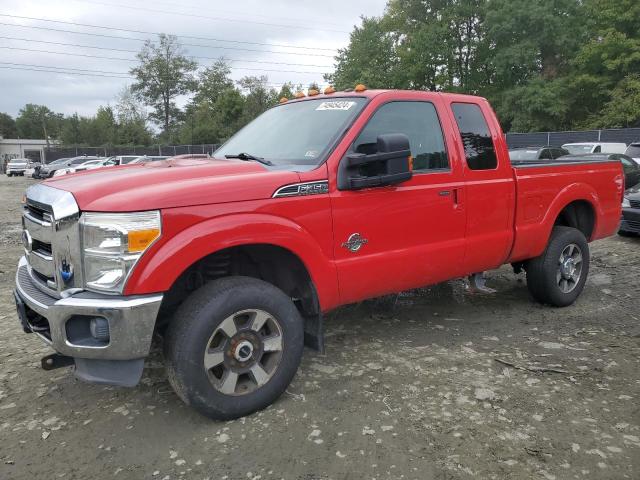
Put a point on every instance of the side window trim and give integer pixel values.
(421, 171)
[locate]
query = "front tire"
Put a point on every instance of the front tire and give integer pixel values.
(233, 347)
(557, 277)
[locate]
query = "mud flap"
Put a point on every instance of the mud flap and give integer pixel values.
(123, 373)
(314, 333)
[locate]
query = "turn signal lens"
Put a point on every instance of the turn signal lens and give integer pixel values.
(411, 163)
(139, 240)
(329, 90)
(360, 88)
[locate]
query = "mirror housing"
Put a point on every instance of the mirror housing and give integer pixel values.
(390, 164)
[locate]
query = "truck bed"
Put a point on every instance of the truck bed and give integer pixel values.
(544, 189)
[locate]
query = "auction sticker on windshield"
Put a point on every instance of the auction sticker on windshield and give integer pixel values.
(335, 105)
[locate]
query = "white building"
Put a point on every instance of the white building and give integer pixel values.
(22, 148)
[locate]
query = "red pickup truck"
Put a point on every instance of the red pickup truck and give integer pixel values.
(319, 202)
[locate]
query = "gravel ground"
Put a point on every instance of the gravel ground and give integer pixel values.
(436, 383)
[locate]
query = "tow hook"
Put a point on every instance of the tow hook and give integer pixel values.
(55, 360)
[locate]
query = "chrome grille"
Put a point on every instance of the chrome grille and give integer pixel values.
(51, 238)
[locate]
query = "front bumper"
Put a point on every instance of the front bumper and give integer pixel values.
(630, 220)
(131, 321)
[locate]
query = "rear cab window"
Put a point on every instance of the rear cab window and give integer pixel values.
(476, 136)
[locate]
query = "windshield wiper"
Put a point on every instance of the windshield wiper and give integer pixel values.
(248, 156)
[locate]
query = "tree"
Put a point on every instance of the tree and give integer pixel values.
(370, 58)
(131, 119)
(213, 81)
(7, 126)
(37, 121)
(163, 74)
(259, 97)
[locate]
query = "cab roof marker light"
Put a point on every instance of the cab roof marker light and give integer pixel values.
(284, 100)
(360, 88)
(300, 95)
(329, 90)
(313, 92)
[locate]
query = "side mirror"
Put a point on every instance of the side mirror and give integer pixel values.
(390, 164)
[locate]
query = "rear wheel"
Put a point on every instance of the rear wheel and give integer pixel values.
(557, 277)
(233, 347)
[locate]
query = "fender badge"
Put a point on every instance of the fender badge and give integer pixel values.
(355, 242)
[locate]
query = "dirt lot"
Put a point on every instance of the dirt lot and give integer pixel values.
(437, 383)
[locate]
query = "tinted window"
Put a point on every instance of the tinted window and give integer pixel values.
(559, 152)
(418, 121)
(523, 154)
(598, 149)
(633, 150)
(545, 154)
(476, 138)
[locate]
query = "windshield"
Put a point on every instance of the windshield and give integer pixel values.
(128, 159)
(78, 161)
(633, 151)
(59, 161)
(523, 154)
(299, 133)
(578, 149)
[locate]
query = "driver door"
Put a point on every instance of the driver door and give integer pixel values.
(393, 238)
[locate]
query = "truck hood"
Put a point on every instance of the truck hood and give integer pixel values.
(171, 183)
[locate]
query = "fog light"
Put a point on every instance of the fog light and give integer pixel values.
(99, 328)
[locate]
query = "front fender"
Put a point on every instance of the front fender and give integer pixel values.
(159, 267)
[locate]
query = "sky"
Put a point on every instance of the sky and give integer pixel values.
(43, 41)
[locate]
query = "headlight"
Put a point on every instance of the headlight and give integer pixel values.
(626, 203)
(112, 243)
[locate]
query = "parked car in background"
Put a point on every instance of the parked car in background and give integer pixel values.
(630, 168)
(91, 164)
(630, 223)
(120, 159)
(595, 147)
(49, 170)
(32, 167)
(537, 153)
(633, 150)
(17, 166)
(147, 158)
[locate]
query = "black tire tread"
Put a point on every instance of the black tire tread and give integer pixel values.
(541, 270)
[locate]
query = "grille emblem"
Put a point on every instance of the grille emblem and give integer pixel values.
(27, 241)
(355, 242)
(66, 271)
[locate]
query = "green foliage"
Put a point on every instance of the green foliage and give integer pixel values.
(163, 74)
(37, 121)
(7, 126)
(544, 65)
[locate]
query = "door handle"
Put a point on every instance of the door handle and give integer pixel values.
(444, 193)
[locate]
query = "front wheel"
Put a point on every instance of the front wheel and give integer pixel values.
(557, 277)
(233, 347)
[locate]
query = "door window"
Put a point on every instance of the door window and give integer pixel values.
(418, 121)
(476, 137)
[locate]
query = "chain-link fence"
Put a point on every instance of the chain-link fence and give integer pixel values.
(539, 139)
(55, 153)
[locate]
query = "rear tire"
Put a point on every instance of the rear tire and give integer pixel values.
(233, 347)
(557, 277)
